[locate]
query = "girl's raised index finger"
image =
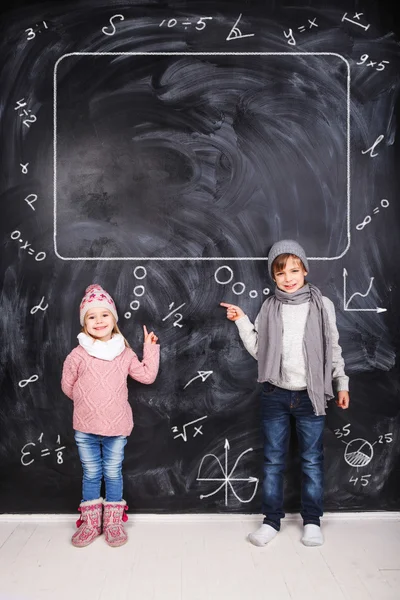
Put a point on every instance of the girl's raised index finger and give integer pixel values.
(226, 305)
(145, 330)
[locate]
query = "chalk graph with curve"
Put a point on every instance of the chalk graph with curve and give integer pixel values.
(227, 479)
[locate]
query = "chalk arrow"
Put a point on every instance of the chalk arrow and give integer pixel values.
(227, 447)
(203, 374)
(377, 310)
(250, 480)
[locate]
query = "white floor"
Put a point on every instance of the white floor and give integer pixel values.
(201, 558)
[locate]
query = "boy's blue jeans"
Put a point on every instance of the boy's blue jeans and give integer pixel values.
(100, 456)
(277, 406)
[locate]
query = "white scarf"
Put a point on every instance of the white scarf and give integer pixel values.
(103, 350)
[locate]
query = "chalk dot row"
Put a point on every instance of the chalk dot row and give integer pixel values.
(138, 291)
(238, 288)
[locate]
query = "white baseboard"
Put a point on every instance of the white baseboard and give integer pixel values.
(200, 518)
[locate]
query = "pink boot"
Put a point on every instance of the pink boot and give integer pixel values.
(113, 523)
(89, 523)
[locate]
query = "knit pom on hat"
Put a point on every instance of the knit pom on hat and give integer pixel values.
(96, 297)
(92, 287)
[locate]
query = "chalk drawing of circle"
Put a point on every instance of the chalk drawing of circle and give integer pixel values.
(229, 271)
(253, 293)
(139, 290)
(358, 453)
(134, 305)
(238, 291)
(136, 272)
(266, 291)
(127, 315)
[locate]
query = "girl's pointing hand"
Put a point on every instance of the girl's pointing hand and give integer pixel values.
(149, 338)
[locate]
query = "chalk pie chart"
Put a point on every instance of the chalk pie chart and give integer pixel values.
(358, 453)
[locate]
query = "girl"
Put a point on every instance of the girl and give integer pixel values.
(94, 377)
(295, 341)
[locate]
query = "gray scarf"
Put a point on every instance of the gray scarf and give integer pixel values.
(317, 343)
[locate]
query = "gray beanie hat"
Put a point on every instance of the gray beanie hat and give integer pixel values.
(286, 247)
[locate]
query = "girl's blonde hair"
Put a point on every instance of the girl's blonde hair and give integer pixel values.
(116, 329)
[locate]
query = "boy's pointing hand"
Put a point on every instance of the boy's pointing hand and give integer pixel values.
(233, 313)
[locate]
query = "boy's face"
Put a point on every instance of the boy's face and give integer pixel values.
(99, 323)
(291, 277)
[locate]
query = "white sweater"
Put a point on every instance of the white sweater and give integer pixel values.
(293, 370)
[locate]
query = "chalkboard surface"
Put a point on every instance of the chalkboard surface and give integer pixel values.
(159, 149)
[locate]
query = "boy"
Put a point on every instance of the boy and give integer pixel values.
(295, 341)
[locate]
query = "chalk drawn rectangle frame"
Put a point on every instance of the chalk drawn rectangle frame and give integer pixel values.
(226, 258)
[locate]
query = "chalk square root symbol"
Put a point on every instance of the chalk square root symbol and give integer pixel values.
(348, 187)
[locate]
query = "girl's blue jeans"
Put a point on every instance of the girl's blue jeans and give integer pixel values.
(101, 456)
(278, 405)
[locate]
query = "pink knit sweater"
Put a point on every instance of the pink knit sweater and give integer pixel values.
(99, 390)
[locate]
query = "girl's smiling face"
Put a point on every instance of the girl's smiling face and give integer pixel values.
(290, 277)
(99, 323)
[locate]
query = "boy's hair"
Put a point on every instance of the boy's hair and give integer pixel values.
(116, 329)
(280, 262)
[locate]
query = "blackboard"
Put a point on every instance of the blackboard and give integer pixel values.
(159, 149)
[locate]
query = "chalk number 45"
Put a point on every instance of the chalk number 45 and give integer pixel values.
(364, 480)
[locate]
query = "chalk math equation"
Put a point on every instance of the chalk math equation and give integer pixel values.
(198, 24)
(32, 451)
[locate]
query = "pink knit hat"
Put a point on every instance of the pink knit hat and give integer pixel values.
(96, 297)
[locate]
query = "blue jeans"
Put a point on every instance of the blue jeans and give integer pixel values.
(101, 456)
(277, 406)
